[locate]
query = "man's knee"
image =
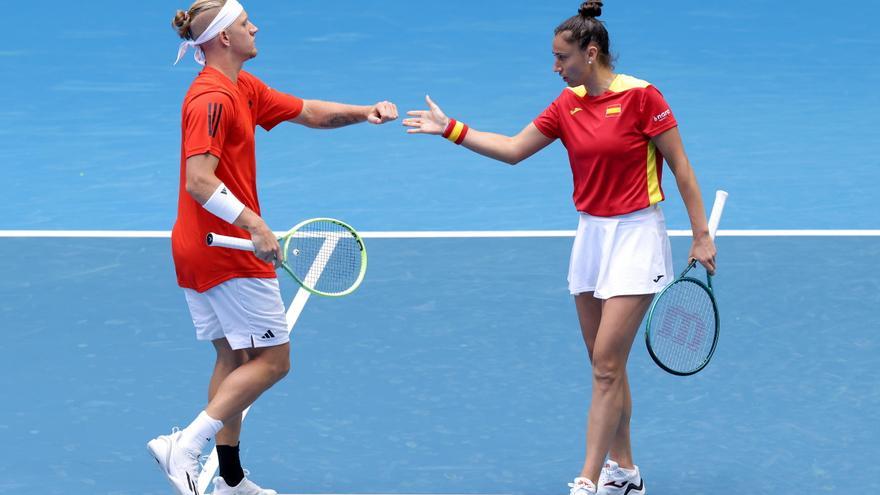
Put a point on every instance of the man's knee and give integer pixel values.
(281, 366)
(277, 360)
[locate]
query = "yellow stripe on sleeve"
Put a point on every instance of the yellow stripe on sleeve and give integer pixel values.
(654, 194)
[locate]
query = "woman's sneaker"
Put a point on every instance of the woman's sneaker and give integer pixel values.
(615, 480)
(582, 486)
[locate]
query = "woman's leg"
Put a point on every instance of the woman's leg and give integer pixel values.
(619, 321)
(589, 310)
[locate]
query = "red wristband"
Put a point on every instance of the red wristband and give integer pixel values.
(463, 134)
(449, 128)
(456, 131)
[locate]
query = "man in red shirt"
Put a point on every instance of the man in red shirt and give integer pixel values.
(233, 296)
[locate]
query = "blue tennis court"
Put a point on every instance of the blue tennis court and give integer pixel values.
(458, 367)
(448, 372)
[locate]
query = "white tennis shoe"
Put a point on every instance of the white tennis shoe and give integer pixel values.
(582, 486)
(180, 465)
(246, 487)
(615, 481)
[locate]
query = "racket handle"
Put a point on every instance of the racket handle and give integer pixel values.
(224, 241)
(717, 209)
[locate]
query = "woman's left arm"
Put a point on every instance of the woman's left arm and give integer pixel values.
(703, 248)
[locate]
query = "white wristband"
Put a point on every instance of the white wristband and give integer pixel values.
(224, 204)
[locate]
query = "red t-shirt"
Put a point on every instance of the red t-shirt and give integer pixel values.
(615, 166)
(220, 118)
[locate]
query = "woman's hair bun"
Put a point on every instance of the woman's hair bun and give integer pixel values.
(591, 9)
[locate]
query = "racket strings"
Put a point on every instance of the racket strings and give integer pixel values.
(325, 256)
(683, 325)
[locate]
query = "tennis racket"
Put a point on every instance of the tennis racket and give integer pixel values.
(683, 324)
(327, 257)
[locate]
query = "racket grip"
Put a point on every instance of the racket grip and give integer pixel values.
(225, 241)
(717, 210)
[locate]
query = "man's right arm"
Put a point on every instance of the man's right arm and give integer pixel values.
(201, 182)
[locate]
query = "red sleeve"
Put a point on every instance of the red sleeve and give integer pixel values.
(548, 121)
(273, 107)
(656, 116)
(206, 120)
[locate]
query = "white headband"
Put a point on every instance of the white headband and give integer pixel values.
(228, 14)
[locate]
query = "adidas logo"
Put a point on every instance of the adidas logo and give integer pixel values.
(215, 112)
(268, 335)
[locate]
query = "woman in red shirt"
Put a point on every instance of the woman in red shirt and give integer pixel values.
(617, 130)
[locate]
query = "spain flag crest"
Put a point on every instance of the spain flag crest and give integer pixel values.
(613, 111)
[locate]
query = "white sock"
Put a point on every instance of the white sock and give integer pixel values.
(628, 472)
(197, 435)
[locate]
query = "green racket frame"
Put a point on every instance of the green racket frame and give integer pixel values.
(285, 241)
(707, 286)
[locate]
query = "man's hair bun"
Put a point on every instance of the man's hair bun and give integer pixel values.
(181, 24)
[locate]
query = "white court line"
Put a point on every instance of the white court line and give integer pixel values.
(475, 234)
(317, 268)
(97, 234)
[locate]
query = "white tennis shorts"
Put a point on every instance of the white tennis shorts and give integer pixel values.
(248, 312)
(623, 255)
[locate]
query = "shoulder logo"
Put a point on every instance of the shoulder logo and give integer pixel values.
(576, 110)
(662, 116)
(215, 111)
(613, 111)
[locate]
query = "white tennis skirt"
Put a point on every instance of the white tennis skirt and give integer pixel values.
(623, 255)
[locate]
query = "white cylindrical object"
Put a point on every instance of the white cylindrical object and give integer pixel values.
(717, 209)
(224, 241)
